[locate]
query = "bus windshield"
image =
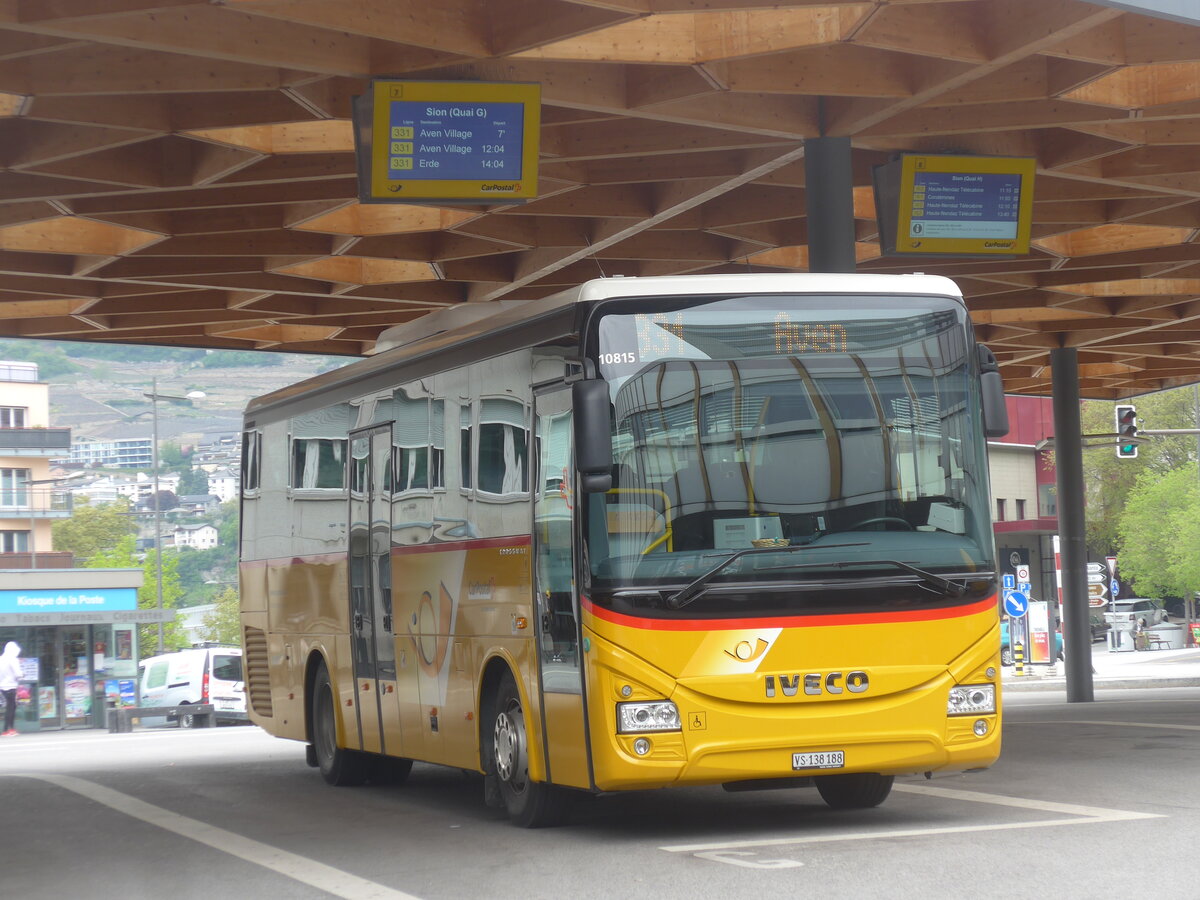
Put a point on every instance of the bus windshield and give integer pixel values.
(846, 426)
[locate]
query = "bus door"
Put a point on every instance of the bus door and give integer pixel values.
(372, 642)
(556, 604)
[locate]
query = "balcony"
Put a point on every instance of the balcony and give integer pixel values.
(21, 502)
(49, 559)
(34, 441)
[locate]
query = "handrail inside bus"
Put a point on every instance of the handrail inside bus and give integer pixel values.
(667, 533)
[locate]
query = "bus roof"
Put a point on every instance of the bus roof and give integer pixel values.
(443, 329)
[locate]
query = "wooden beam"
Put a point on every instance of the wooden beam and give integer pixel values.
(456, 26)
(214, 33)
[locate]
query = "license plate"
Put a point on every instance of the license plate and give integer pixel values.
(826, 759)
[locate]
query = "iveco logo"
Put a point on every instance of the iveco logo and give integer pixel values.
(817, 683)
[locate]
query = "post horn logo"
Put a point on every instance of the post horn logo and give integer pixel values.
(744, 651)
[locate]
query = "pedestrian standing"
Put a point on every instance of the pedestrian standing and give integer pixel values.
(10, 679)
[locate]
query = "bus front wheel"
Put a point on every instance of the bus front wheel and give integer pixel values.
(339, 766)
(862, 790)
(530, 804)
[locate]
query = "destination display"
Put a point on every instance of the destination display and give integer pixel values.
(955, 205)
(456, 141)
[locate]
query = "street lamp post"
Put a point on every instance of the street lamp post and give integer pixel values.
(154, 397)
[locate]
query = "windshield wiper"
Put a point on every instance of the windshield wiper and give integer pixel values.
(694, 589)
(928, 579)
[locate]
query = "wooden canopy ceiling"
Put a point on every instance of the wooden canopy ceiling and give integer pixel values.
(181, 172)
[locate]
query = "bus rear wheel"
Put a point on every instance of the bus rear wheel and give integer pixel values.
(530, 804)
(862, 790)
(339, 766)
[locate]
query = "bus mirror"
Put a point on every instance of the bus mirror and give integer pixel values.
(593, 434)
(591, 483)
(995, 413)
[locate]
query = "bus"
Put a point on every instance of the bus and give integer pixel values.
(646, 532)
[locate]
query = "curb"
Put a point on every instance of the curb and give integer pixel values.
(1035, 684)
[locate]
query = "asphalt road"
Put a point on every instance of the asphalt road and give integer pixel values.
(1088, 800)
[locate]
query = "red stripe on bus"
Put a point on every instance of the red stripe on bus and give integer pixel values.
(871, 618)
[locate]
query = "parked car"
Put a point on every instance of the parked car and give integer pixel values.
(1175, 607)
(200, 675)
(1006, 654)
(1100, 628)
(1135, 611)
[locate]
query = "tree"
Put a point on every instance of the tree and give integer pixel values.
(122, 556)
(1159, 529)
(227, 524)
(193, 481)
(51, 360)
(1108, 481)
(224, 623)
(93, 529)
(163, 501)
(170, 456)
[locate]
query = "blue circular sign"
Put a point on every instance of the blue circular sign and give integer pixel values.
(1115, 587)
(1015, 603)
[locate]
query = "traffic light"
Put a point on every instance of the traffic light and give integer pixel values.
(1126, 430)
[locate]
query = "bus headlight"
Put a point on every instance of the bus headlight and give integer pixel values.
(658, 715)
(971, 700)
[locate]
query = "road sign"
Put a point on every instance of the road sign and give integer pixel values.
(1010, 581)
(1022, 573)
(1095, 567)
(1096, 578)
(1015, 603)
(1097, 590)
(1115, 587)
(1025, 587)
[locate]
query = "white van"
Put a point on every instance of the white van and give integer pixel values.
(200, 675)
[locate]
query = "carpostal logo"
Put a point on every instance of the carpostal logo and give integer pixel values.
(510, 188)
(997, 245)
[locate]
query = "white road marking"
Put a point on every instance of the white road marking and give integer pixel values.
(1080, 815)
(1069, 809)
(318, 875)
(40, 743)
(739, 858)
(1168, 726)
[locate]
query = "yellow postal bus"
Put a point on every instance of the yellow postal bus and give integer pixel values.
(646, 532)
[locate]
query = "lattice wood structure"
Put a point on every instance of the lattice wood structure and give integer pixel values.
(181, 172)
